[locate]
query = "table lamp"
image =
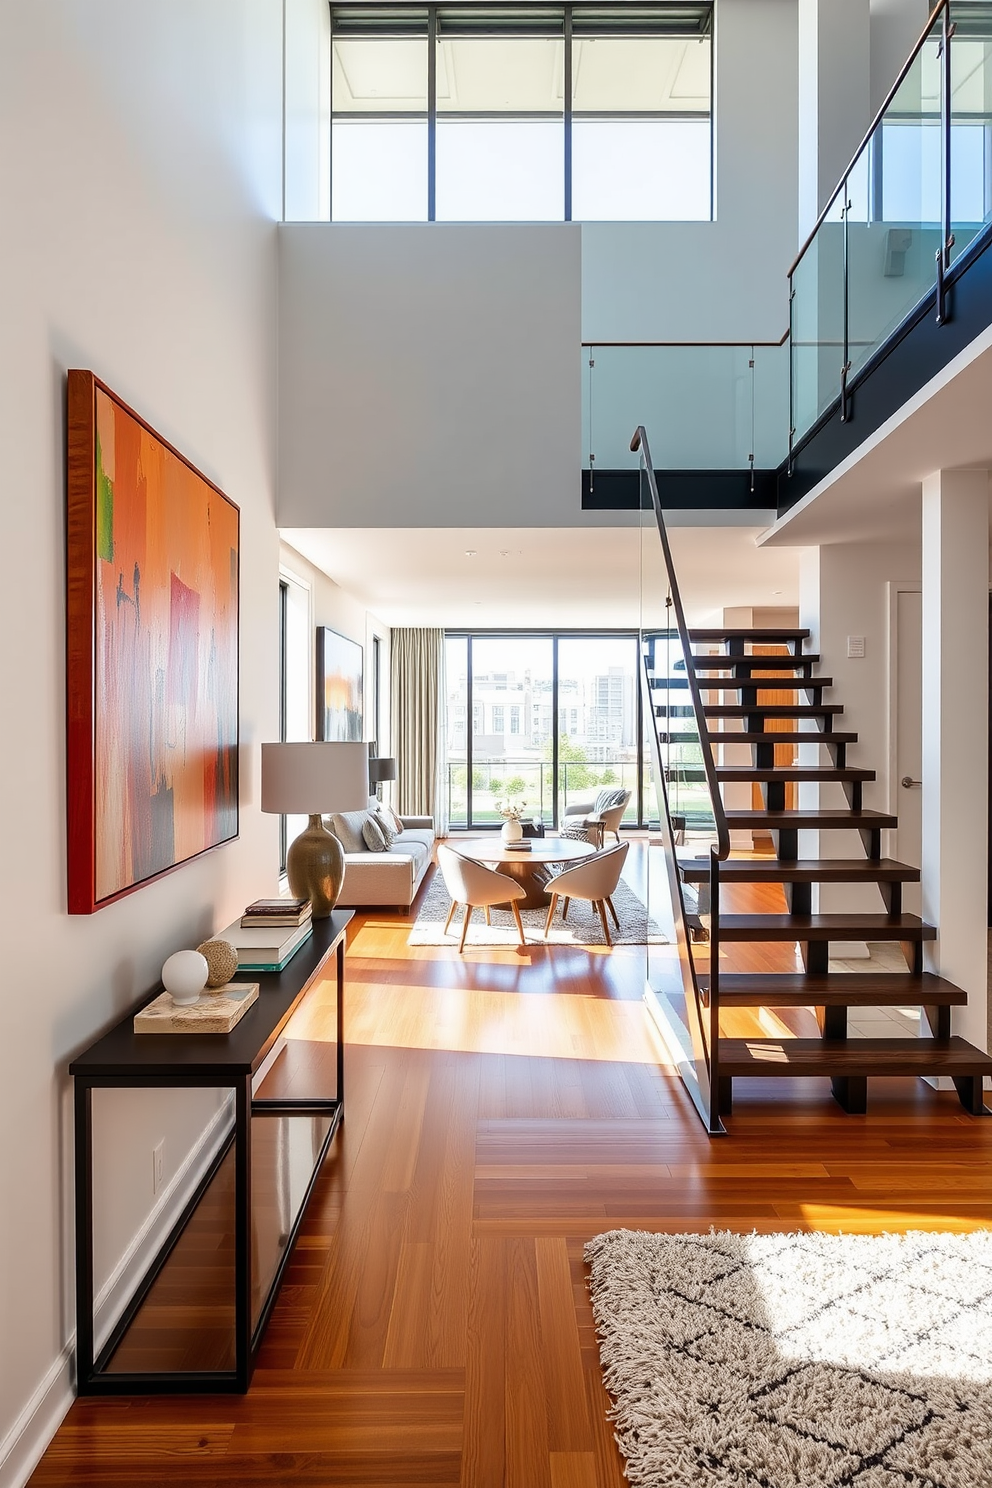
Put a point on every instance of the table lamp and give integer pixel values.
(381, 767)
(309, 780)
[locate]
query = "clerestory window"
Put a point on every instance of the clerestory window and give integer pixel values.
(557, 113)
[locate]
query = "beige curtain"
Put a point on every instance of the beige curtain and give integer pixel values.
(416, 702)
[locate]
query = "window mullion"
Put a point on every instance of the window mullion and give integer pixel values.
(431, 113)
(567, 99)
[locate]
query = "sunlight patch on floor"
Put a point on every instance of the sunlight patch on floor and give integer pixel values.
(474, 1021)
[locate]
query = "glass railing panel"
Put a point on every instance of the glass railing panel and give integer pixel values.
(894, 192)
(970, 121)
(817, 321)
(714, 405)
(523, 782)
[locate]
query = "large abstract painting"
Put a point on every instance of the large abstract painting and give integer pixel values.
(339, 687)
(152, 655)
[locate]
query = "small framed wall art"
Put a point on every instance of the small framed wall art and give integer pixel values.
(339, 688)
(152, 653)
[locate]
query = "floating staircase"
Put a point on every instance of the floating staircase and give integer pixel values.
(739, 682)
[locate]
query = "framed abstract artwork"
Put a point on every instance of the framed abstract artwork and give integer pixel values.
(152, 653)
(339, 687)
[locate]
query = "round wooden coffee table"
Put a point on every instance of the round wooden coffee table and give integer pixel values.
(525, 867)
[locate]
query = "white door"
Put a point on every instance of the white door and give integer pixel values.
(907, 798)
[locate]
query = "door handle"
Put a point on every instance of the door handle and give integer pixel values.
(907, 781)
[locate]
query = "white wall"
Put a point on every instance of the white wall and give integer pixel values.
(335, 607)
(844, 591)
(139, 171)
(307, 111)
(722, 280)
(429, 375)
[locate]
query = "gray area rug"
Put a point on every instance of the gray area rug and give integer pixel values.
(798, 1361)
(581, 928)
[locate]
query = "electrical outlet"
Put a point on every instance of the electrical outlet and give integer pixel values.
(158, 1166)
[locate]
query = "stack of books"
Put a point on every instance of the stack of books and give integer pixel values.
(269, 933)
(270, 912)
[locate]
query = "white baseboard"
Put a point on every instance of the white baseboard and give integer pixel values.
(22, 1448)
(24, 1445)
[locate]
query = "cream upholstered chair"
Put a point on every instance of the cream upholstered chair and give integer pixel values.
(593, 878)
(597, 816)
(476, 886)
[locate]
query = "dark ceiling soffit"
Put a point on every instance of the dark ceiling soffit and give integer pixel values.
(915, 354)
(681, 490)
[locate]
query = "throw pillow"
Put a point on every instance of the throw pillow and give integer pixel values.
(611, 796)
(575, 830)
(347, 827)
(381, 819)
(390, 816)
(374, 840)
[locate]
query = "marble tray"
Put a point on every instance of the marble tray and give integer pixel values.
(212, 1012)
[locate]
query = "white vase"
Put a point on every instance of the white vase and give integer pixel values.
(511, 830)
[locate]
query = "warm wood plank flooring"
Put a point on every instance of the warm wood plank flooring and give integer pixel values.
(501, 1108)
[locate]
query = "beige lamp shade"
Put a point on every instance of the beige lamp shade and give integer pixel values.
(310, 779)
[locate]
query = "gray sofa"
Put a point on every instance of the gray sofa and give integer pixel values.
(391, 877)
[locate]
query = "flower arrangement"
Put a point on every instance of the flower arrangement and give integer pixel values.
(510, 810)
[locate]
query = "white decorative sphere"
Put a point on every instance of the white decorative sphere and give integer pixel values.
(184, 976)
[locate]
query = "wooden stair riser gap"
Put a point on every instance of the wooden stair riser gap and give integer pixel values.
(815, 956)
(831, 1020)
(851, 1093)
(749, 686)
(938, 1018)
(799, 897)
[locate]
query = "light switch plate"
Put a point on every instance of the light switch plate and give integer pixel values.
(856, 647)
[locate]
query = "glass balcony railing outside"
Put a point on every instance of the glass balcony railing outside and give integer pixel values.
(917, 193)
(717, 406)
(532, 781)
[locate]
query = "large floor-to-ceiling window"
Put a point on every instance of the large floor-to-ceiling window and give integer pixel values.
(544, 718)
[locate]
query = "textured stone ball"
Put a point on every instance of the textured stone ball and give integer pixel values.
(222, 961)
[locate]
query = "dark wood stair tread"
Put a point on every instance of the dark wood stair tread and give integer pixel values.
(837, 989)
(797, 773)
(703, 662)
(762, 635)
(763, 684)
(772, 710)
(856, 1057)
(785, 736)
(805, 870)
(784, 821)
(738, 927)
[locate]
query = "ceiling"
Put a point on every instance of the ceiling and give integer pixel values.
(876, 493)
(547, 577)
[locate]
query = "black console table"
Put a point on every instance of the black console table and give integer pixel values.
(249, 1204)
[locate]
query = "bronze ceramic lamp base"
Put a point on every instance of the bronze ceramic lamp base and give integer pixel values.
(311, 779)
(315, 868)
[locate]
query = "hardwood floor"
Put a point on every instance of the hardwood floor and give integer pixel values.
(501, 1108)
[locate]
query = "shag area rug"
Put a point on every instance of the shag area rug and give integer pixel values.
(581, 928)
(798, 1361)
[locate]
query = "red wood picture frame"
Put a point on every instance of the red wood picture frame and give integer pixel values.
(152, 660)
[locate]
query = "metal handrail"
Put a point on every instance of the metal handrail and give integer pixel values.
(589, 345)
(639, 442)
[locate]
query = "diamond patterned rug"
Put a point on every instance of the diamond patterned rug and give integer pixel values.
(798, 1361)
(581, 928)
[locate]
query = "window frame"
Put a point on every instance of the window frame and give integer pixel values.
(625, 24)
